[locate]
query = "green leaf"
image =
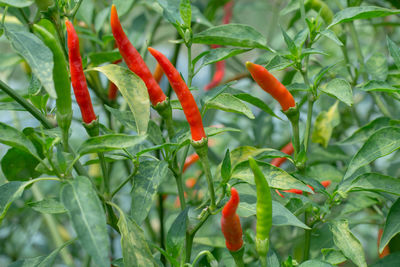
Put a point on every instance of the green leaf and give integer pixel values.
(185, 12)
(361, 12)
(347, 242)
(48, 205)
(232, 34)
(393, 259)
(135, 250)
(17, 3)
(379, 144)
(98, 58)
(14, 138)
(377, 66)
(18, 165)
(281, 216)
(394, 51)
(88, 218)
(379, 86)
(125, 117)
(392, 226)
(333, 256)
(278, 63)
(363, 133)
(315, 263)
(134, 92)
(340, 89)
(290, 43)
(373, 182)
(109, 142)
(176, 234)
(324, 125)
(276, 177)
(38, 56)
(331, 35)
(8, 193)
(218, 54)
(226, 167)
(256, 102)
(147, 180)
(229, 103)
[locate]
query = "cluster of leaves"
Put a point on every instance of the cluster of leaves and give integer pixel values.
(347, 94)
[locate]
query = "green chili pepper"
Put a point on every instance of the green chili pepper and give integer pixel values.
(61, 79)
(264, 210)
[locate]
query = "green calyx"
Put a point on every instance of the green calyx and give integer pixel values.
(93, 128)
(238, 256)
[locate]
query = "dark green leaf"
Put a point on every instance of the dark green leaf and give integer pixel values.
(18, 165)
(98, 58)
(218, 54)
(186, 12)
(88, 218)
(14, 138)
(377, 66)
(340, 89)
(231, 34)
(379, 144)
(333, 256)
(17, 3)
(109, 142)
(374, 182)
(379, 86)
(176, 234)
(392, 226)
(146, 183)
(48, 205)
(8, 193)
(256, 102)
(331, 35)
(229, 103)
(394, 51)
(226, 167)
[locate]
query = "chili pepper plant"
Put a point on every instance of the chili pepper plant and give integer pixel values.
(199, 133)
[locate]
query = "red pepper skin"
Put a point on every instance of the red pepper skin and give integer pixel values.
(288, 149)
(78, 79)
(184, 95)
(112, 88)
(134, 61)
(218, 75)
(300, 192)
(271, 85)
(228, 9)
(230, 223)
(386, 250)
(189, 161)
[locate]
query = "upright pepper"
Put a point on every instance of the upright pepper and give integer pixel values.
(230, 223)
(271, 85)
(78, 77)
(184, 95)
(134, 61)
(263, 211)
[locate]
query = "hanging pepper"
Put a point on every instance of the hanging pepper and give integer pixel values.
(78, 77)
(271, 85)
(386, 250)
(230, 223)
(288, 149)
(184, 95)
(158, 73)
(112, 88)
(263, 211)
(193, 158)
(300, 192)
(134, 61)
(220, 65)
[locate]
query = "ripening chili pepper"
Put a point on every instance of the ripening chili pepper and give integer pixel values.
(230, 223)
(263, 210)
(287, 149)
(134, 61)
(300, 192)
(61, 80)
(190, 182)
(78, 77)
(193, 158)
(386, 250)
(184, 95)
(112, 88)
(158, 73)
(228, 10)
(271, 85)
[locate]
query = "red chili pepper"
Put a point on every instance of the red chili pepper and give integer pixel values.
(288, 149)
(158, 73)
(299, 192)
(112, 88)
(271, 85)
(78, 79)
(386, 250)
(230, 223)
(228, 9)
(134, 61)
(190, 182)
(189, 161)
(184, 95)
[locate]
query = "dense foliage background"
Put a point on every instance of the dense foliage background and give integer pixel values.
(340, 60)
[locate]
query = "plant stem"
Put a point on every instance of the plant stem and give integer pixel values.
(53, 229)
(307, 240)
(181, 192)
(106, 180)
(189, 244)
(190, 69)
(207, 170)
(119, 187)
(296, 137)
(308, 123)
(162, 229)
